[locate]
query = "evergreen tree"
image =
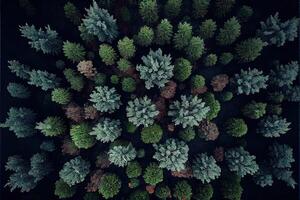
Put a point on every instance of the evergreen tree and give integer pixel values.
(254, 110)
(133, 169)
(244, 13)
(128, 84)
(162, 191)
(43, 79)
(110, 185)
(230, 32)
(205, 192)
(164, 32)
(145, 36)
(213, 104)
(273, 126)
(231, 188)
(172, 8)
(151, 134)
(80, 135)
(20, 70)
(183, 35)
(46, 40)
(207, 29)
(122, 154)
(61, 96)
(107, 54)
(182, 190)
(74, 51)
(126, 48)
(148, 9)
(63, 190)
(76, 80)
(18, 90)
(52, 126)
(200, 8)
(182, 69)
(284, 75)
(195, 49)
(210, 60)
(153, 174)
(40, 166)
(223, 7)
(249, 49)
(72, 13)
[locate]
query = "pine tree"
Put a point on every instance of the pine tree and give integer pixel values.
(183, 35)
(273, 126)
(172, 8)
(43, 79)
(72, 13)
(52, 126)
(20, 70)
(200, 8)
(148, 9)
(249, 49)
(145, 36)
(74, 51)
(18, 90)
(164, 32)
(284, 75)
(107, 54)
(230, 32)
(122, 154)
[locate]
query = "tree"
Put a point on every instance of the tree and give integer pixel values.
(229, 33)
(40, 166)
(244, 13)
(182, 69)
(48, 145)
(231, 188)
(107, 130)
(74, 51)
(128, 84)
(110, 185)
(189, 112)
(148, 9)
(182, 190)
(124, 65)
(120, 155)
(43, 79)
(225, 58)
(273, 126)
(114, 79)
(210, 60)
(139, 195)
(205, 168)
(105, 99)
(263, 176)
(223, 7)
(208, 130)
(156, 69)
(240, 161)
(151, 134)
(46, 40)
(207, 29)
(236, 127)
(172, 155)
(284, 75)
(172, 8)
(153, 174)
(100, 23)
(76, 81)
(61, 96)
(20, 70)
(80, 135)
(133, 169)
(249, 81)
(63, 190)
(18, 90)
(162, 191)
(254, 110)
(197, 81)
(164, 31)
(183, 35)
(200, 8)
(52, 126)
(21, 121)
(187, 134)
(195, 49)
(213, 104)
(273, 31)
(145, 36)
(126, 47)
(74, 171)
(72, 13)
(205, 192)
(107, 54)
(86, 68)
(249, 49)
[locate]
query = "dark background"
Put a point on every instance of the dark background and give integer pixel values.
(51, 12)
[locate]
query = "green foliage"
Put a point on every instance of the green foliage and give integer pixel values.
(107, 130)
(40, 166)
(76, 80)
(100, 79)
(145, 36)
(183, 35)
(187, 134)
(273, 31)
(130, 127)
(213, 104)
(80, 135)
(61, 96)
(164, 31)
(120, 155)
(292, 93)
(249, 49)
(284, 75)
(151, 134)
(148, 9)
(128, 84)
(43, 79)
(46, 40)
(226, 96)
(172, 155)
(225, 58)
(182, 69)
(229, 33)
(141, 111)
(114, 79)
(205, 192)
(139, 195)
(182, 190)
(110, 185)
(249, 81)
(263, 177)
(254, 110)
(223, 7)
(153, 174)
(156, 69)
(124, 65)
(200, 8)
(21, 121)
(105, 99)
(20, 70)
(74, 171)
(172, 8)
(236, 127)
(197, 81)
(74, 51)
(48, 145)
(100, 23)
(126, 48)
(107, 54)
(63, 190)
(210, 60)
(85, 35)
(207, 29)
(195, 49)
(205, 168)
(162, 191)
(72, 13)
(189, 111)
(244, 13)
(231, 188)
(273, 126)
(52, 126)
(18, 90)
(133, 169)
(240, 161)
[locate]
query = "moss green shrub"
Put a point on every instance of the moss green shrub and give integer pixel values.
(236, 127)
